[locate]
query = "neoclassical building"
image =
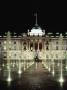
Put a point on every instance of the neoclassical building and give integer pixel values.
(36, 42)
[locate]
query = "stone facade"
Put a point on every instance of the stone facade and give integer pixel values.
(27, 47)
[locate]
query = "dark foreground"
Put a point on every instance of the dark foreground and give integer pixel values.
(34, 78)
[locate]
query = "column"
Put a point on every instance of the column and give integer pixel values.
(38, 45)
(33, 45)
(29, 45)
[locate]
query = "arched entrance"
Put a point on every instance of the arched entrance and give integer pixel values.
(40, 46)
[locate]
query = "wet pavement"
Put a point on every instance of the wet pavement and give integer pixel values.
(35, 77)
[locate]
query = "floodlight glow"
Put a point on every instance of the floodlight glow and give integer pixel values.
(9, 79)
(53, 73)
(53, 70)
(36, 32)
(49, 69)
(61, 80)
(66, 67)
(19, 72)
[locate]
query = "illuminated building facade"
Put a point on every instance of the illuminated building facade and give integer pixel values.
(36, 42)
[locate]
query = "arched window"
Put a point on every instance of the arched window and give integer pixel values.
(47, 48)
(36, 46)
(40, 46)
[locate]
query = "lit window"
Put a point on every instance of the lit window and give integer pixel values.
(4, 42)
(4, 47)
(9, 42)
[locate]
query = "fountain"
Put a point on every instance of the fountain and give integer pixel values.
(19, 71)
(49, 66)
(53, 70)
(61, 79)
(66, 60)
(8, 57)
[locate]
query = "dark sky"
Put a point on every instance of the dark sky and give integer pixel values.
(18, 17)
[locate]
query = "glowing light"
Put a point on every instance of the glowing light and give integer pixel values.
(53, 73)
(66, 67)
(3, 65)
(19, 72)
(9, 79)
(61, 80)
(4, 47)
(49, 69)
(36, 31)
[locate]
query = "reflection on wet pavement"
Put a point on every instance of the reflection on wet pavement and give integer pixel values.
(36, 77)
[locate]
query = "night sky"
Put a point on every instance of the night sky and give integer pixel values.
(20, 17)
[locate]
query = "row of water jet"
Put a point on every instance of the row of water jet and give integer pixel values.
(26, 63)
(51, 66)
(24, 66)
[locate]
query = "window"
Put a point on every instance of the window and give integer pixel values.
(14, 47)
(24, 47)
(56, 55)
(47, 42)
(66, 47)
(15, 42)
(4, 47)
(47, 48)
(0, 42)
(24, 43)
(56, 47)
(4, 42)
(57, 42)
(47, 56)
(15, 55)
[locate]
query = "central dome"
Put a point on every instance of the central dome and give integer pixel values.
(36, 30)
